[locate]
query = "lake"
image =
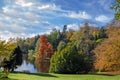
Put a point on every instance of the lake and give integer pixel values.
(27, 67)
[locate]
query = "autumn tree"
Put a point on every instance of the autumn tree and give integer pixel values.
(45, 52)
(69, 34)
(107, 53)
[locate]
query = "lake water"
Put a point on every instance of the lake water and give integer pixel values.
(27, 67)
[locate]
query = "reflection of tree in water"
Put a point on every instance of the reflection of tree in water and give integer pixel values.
(44, 65)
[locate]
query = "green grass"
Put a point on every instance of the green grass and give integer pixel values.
(23, 76)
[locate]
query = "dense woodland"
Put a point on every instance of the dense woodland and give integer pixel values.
(89, 49)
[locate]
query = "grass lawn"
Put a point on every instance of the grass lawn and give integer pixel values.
(23, 76)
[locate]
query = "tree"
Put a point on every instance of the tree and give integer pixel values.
(15, 59)
(69, 34)
(53, 38)
(61, 46)
(107, 55)
(113, 31)
(31, 56)
(69, 60)
(84, 40)
(116, 7)
(45, 52)
(32, 53)
(56, 37)
(6, 51)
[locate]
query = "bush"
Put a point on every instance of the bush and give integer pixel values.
(4, 74)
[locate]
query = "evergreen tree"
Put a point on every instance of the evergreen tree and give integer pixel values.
(69, 61)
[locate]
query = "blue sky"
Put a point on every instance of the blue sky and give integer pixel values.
(26, 18)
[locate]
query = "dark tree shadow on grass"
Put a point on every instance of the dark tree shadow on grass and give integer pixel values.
(38, 74)
(99, 74)
(42, 74)
(104, 74)
(7, 79)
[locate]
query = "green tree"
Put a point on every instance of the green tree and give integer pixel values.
(15, 59)
(116, 7)
(61, 46)
(56, 37)
(53, 38)
(85, 42)
(69, 60)
(6, 54)
(31, 56)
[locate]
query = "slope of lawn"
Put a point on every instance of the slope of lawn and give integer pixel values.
(23, 76)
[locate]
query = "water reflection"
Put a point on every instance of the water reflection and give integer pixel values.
(43, 67)
(27, 67)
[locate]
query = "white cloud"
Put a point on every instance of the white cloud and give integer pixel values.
(90, 24)
(6, 35)
(7, 10)
(80, 15)
(24, 3)
(49, 7)
(103, 18)
(73, 26)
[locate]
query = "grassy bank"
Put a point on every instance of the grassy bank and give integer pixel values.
(23, 76)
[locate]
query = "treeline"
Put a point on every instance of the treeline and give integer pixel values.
(87, 49)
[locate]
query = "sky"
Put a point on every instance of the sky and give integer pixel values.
(27, 18)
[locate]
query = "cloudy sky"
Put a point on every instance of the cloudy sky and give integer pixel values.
(26, 18)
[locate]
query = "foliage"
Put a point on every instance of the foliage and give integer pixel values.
(6, 50)
(45, 51)
(53, 38)
(27, 44)
(85, 42)
(15, 60)
(6, 55)
(116, 7)
(107, 53)
(68, 60)
(31, 56)
(69, 34)
(33, 53)
(113, 31)
(56, 37)
(61, 46)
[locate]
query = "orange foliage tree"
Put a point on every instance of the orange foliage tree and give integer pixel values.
(44, 53)
(108, 52)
